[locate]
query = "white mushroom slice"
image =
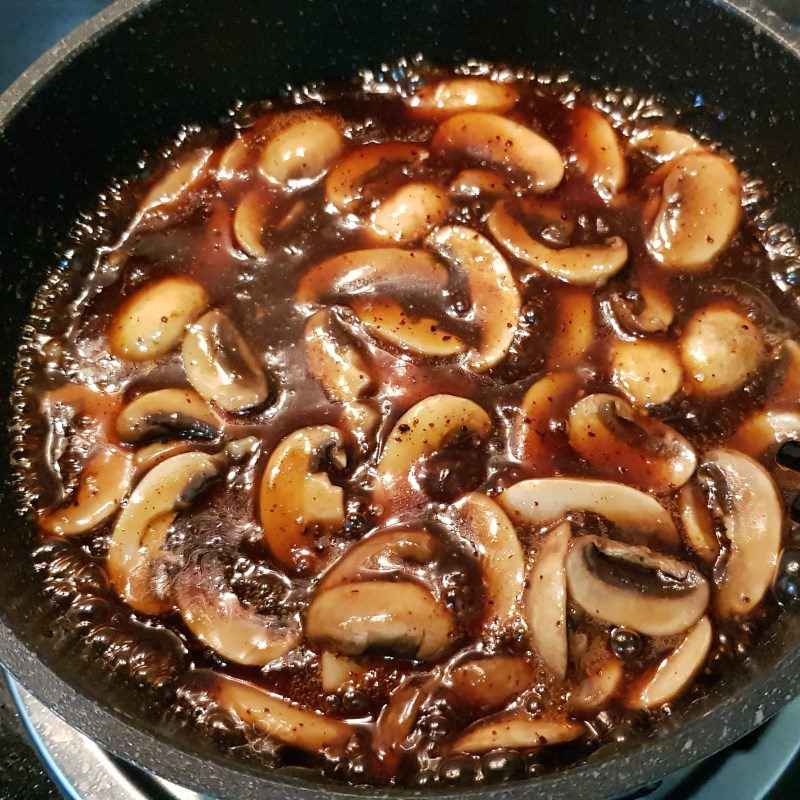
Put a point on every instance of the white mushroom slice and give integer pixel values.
(788, 390)
(763, 432)
(701, 205)
(336, 671)
(674, 673)
(346, 182)
(400, 618)
(490, 137)
(216, 616)
(410, 213)
(479, 520)
(597, 147)
(663, 144)
(603, 680)
(721, 348)
(516, 730)
(145, 458)
(648, 310)
(104, 483)
(381, 552)
(138, 537)
(300, 150)
(477, 182)
(546, 601)
(167, 414)
(299, 727)
(296, 494)
(581, 265)
(542, 501)
(233, 158)
(635, 587)
(752, 516)
(152, 321)
(424, 336)
(573, 328)
(177, 180)
(220, 365)
(455, 95)
(359, 270)
(698, 523)
(648, 373)
(249, 223)
(495, 298)
(621, 442)
(425, 428)
(491, 682)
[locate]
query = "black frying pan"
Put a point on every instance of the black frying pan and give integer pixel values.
(130, 77)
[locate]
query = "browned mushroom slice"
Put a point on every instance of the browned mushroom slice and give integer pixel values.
(581, 265)
(250, 221)
(477, 182)
(542, 501)
(396, 721)
(763, 432)
(145, 458)
(299, 727)
(721, 348)
(455, 95)
(495, 298)
(701, 205)
(516, 730)
(648, 373)
(646, 310)
(546, 601)
(410, 213)
(600, 156)
(299, 149)
(673, 674)
(168, 414)
(216, 616)
(424, 336)
(698, 523)
(220, 365)
(490, 137)
(425, 428)
(296, 493)
(752, 517)
(178, 179)
(663, 144)
(104, 483)
(336, 671)
(233, 158)
(479, 520)
(603, 680)
(138, 537)
(490, 682)
(399, 618)
(381, 267)
(573, 328)
(153, 320)
(380, 553)
(789, 388)
(635, 587)
(619, 441)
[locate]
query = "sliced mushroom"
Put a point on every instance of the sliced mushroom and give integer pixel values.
(138, 537)
(299, 150)
(490, 682)
(788, 390)
(581, 265)
(380, 553)
(648, 373)
(698, 523)
(425, 428)
(336, 671)
(752, 518)
(619, 441)
(542, 501)
(152, 321)
(597, 147)
(490, 137)
(546, 601)
(573, 328)
(400, 618)
(763, 432)
(410, 212)
(721, 348)
(674, 673)
(220, 365)
(516, 730)
(168, 414)
(635, 587)
(476, 182)
(664, 144)
(299, 727)
(603, 680)
(234, 157)
(701, 205)
(296, 493)
(216, 616)
(250, 221)
(495, 298)
(178, 179)
(145, 458)
(424, 336)
(396, 721)
(647, 310)
(479, 520)
(456, 95)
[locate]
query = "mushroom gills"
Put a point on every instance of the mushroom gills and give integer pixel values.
(168, 414)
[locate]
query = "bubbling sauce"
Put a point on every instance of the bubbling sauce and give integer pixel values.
(422, 430)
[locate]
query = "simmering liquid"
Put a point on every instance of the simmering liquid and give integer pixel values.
(421, 430)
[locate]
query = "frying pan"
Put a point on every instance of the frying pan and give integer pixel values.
(132, 75)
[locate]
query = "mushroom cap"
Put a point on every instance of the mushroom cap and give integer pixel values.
(456, 95)
(168, 413)
(599, 154)
(648, 373)
(664, 144)
(410, 212)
